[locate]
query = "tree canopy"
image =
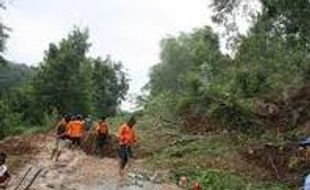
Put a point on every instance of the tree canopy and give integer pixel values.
(268, 62)
(66, 81)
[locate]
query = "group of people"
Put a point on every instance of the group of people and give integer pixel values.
(72, 131)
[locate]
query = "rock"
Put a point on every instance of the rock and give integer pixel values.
(51, 186)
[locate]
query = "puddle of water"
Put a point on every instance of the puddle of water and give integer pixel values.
(145, 185)
(134, 182)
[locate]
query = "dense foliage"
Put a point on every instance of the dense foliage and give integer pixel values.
(66, 81)
(270, 62)
(261, 85)
(13, 75)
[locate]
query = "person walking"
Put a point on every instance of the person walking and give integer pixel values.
(127, 138)
(61, 136)
(102, 133)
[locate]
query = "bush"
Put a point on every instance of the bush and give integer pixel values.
(10, 122)
(232, 116)
(219, 180)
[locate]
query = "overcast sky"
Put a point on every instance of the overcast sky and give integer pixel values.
(128, 30)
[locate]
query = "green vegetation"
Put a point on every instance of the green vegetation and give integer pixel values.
(203, 109)
(208, 107)
(66, 81)
(269, 65)
(81, 84)
(215, 160)
(218, 180)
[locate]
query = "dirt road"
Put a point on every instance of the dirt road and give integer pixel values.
(78, 171)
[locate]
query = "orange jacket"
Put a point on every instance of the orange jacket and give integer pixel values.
(75, 129)
(126, 135)
(102, 128)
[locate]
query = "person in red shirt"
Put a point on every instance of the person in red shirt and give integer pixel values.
(127, 137)
(102, 132)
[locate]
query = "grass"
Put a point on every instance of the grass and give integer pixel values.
(36, 130)
(222, 180)
(213, 160)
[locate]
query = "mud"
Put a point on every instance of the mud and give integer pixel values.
(21, 145)
(110, 148)
(77, 170)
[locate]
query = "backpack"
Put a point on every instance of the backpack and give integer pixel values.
(103, 128)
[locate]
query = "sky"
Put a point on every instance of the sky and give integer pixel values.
(128, 30)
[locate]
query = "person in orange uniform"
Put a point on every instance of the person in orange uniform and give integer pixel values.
(76, 130)
(127, 137)
(102, 132)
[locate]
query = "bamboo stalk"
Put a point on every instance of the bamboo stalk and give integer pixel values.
(23, 178)
(33, 179)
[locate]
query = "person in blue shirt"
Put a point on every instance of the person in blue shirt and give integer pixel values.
(307, 183)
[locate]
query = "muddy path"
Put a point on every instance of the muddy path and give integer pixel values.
(77, 171)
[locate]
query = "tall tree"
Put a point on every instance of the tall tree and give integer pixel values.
(63, 81)
(186, 59)
(189, 65)
(289, 19)
(110, 85)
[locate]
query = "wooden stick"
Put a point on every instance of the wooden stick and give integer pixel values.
(23, 178)
(33, 179)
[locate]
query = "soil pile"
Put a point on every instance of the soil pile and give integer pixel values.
(289, 111)
(286, 163)
(21, 149)
(75, 169)
(110, 148)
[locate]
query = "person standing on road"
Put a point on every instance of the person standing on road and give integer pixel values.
(61, 136)
(102, 132)
(127, 138)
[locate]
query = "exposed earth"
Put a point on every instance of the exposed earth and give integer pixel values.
(76, 170)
